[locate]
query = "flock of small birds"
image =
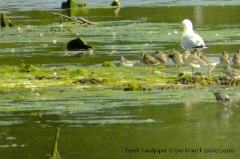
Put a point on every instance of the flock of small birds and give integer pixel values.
(192, 43)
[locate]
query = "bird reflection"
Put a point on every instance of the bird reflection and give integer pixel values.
(223, 115)
(222, 98)
(116, 11)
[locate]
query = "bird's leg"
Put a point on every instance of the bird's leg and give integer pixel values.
(234, 84)
(192, 70)
(146, 67)
(151, 69)
(163, 67)
(209, 72)
(199, 70)
(179, 68)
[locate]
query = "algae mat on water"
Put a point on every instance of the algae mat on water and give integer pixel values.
(128, 79)
(71, 89)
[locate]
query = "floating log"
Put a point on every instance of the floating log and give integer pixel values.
(79, 20)
(5, 21)
(55, 154)
(77, 44)
(73, 4)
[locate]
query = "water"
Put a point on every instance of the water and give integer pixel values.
(100, 122)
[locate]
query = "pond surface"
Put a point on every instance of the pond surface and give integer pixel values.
(103, 123)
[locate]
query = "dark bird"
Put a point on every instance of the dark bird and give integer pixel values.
(221, 96)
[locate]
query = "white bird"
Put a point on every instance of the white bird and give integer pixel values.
(126, 63)
(190, 40)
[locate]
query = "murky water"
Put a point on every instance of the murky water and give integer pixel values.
(102, 123)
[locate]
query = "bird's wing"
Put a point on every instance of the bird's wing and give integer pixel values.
(196, 60)
(128, 61)
(150, 59)
(190, 41)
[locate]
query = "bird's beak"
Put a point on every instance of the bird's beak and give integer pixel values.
(181, 29)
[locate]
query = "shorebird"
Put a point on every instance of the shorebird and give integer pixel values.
(148, 60)
(236, 59)
(232, 73)
(224, 59)
(193, 61)
(163, 58)
(210, 62)
(176, 57)
(190, 40)
(125, 62)
(221, 96)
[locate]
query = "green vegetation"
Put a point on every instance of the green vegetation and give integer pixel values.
(79, 71)
(5, 21)
(27, 68)
(108, 64)
(132, 79)
(55, 153)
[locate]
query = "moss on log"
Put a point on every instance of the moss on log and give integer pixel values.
(55, 154)
(27, 68)
(5, 22)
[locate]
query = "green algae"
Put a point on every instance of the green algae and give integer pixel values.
(79, 71)
(202, 80)
(55, 153)
(108, 64)
(27, 68)
(131, 87)
(114, 78)
(90, 81)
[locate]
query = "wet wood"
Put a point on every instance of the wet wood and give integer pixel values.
(76, 19)
(55, 154)
(5, 22)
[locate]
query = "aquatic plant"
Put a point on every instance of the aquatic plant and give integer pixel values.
(90, 81)
(79, 71)
(108, 64)
(27, 68)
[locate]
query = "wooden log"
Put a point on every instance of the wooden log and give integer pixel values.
(5, 22)
(73, 4)
(76, 19)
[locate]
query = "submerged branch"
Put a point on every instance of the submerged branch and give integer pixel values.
(76, 19)
(55, 154)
